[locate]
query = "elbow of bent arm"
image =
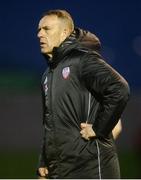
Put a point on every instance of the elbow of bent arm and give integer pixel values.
(125, 92)
(117, 129)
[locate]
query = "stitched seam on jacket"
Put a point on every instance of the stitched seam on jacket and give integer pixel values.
(98, 156)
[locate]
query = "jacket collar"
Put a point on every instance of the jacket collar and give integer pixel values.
(59, 52)
(78, 39)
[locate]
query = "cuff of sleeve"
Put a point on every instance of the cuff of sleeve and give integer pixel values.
(98, 134)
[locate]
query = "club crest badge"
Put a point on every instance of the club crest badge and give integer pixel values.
(66, 72)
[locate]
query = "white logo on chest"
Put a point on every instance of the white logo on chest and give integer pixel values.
(66, 72)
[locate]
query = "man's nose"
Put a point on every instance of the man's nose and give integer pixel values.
(40, 33)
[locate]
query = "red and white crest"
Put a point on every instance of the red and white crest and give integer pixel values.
(66, 72)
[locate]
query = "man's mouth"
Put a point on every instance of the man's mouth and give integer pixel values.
(42, 44)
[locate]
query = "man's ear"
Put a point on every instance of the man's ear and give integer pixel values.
(65, 34)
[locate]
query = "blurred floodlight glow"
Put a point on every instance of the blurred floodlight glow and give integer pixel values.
(137, 45)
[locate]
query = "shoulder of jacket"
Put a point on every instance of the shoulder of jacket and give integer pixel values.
(86, 53)
(79, 55)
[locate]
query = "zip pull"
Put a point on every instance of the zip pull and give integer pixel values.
(89, 106)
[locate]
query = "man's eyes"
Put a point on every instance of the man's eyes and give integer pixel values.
(46, 28)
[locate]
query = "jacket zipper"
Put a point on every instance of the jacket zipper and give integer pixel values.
(52, 119)
(50, 94)
(89, 107)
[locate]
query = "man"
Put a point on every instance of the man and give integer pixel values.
(83, 98)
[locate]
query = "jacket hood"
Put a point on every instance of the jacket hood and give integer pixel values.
(87, 39)
(80, 38)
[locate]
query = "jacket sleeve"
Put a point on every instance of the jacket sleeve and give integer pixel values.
(42, 157)
(42, 162)
(108, 87)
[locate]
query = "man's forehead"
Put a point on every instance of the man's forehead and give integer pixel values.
(48, 20)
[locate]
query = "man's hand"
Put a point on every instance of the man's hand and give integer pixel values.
(43, 172)
(87, 131)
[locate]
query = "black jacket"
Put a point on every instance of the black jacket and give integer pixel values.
(79, 85)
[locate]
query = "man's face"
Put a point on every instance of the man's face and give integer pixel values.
(50, 33)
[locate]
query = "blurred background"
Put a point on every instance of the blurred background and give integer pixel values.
(116, 23)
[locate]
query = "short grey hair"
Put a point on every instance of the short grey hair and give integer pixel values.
(62, 14)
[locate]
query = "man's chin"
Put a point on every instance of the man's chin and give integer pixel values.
(43, 51)
(46, 55)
